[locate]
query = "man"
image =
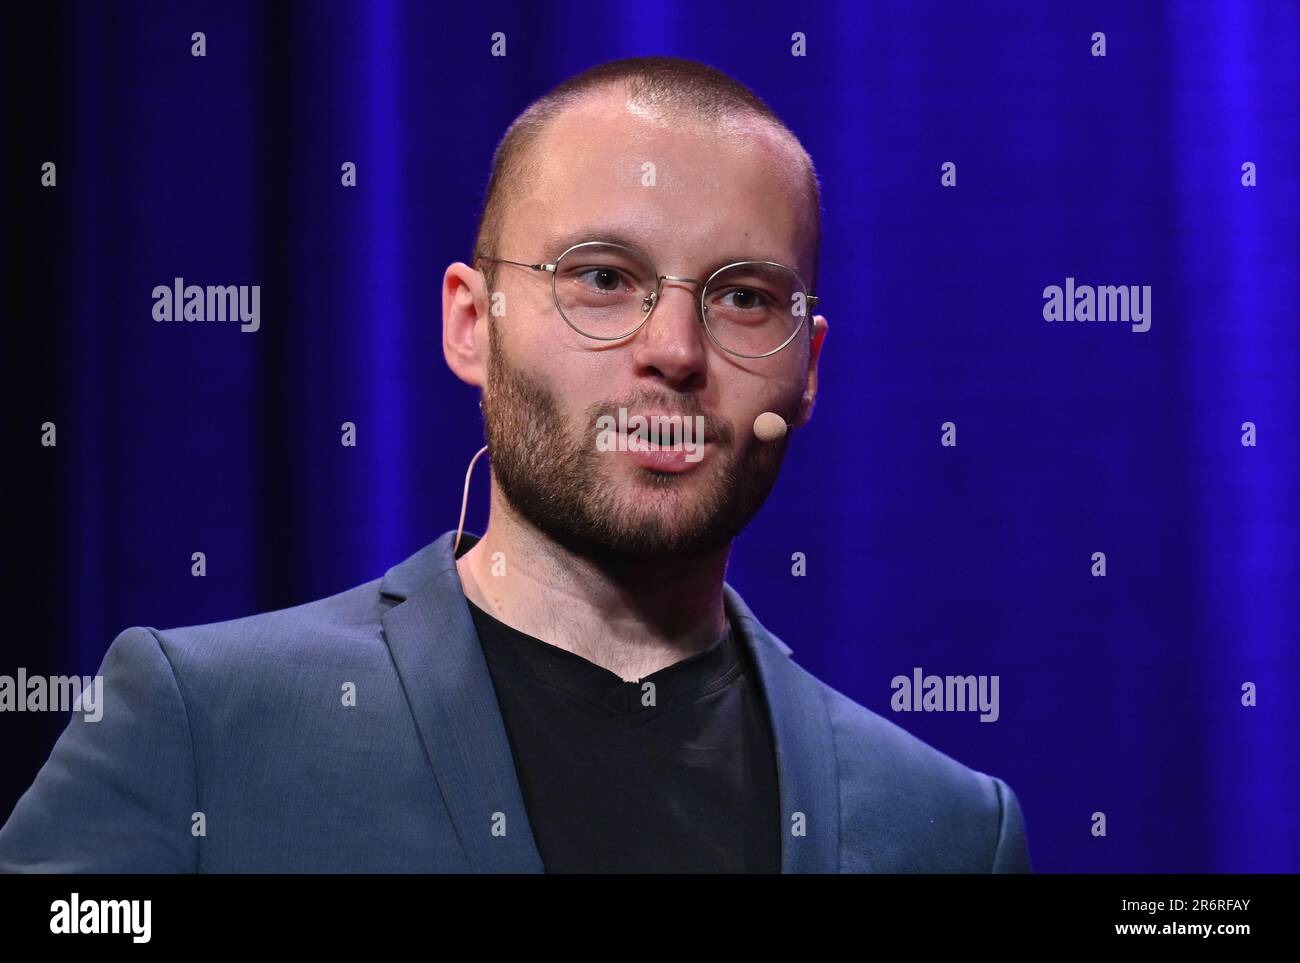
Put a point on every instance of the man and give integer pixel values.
(578, 689)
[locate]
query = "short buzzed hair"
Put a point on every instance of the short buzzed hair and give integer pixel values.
(682, 85)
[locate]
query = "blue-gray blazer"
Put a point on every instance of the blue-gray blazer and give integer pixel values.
(233, 747)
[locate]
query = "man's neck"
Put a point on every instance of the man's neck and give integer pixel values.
(631, 616)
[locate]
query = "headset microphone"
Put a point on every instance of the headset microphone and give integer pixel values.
(464, 498)
(769, 426)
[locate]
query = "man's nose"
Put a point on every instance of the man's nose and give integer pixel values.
(673, 338)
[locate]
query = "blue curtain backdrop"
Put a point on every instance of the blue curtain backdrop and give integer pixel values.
(1119, 694)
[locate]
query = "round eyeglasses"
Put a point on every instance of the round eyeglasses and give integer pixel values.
(606, 291)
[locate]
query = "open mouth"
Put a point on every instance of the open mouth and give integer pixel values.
(640, 440)
(656, 442)
(672, 453)
(665, 434)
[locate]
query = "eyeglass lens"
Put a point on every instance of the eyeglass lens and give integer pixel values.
(605, 291)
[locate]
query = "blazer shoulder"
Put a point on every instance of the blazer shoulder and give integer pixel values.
(339, 622)
(909, 807)
(118, 791)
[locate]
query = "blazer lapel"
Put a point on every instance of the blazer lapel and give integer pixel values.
(805, 747)
(442, 668)
(440, 662)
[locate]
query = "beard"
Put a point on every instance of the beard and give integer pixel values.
(580, 497)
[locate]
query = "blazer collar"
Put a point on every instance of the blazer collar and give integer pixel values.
(430, 633)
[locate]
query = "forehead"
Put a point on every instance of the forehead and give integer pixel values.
(689, 194)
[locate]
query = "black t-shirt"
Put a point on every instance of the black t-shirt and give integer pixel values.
(688, 784)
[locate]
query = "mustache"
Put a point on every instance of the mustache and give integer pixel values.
(716, 430)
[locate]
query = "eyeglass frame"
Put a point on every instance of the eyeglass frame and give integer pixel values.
(655, 296)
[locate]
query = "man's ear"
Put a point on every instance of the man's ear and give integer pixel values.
(814, 353)
(464, 323)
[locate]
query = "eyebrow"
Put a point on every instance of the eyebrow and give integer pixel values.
(558, 242)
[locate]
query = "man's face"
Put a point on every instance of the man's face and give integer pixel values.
(717, 196)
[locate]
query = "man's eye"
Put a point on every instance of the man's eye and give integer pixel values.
(746, 299)
(602, 279)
